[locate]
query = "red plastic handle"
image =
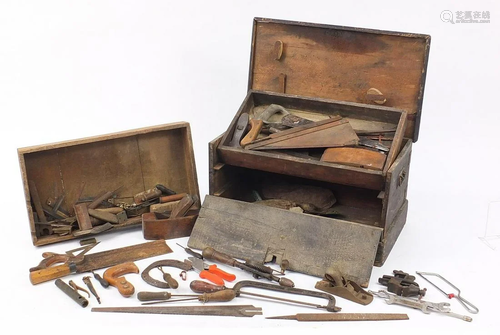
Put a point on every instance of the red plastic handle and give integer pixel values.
(223, 274)
(211, 277)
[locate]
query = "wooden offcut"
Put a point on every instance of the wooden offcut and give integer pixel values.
(359, 157)
(310, 243)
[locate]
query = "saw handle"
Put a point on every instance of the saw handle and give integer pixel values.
(255, 128)
(113, 276)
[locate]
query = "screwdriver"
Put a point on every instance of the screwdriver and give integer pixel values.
(221, 296)
(191, 252)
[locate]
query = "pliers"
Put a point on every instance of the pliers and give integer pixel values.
(211, 272)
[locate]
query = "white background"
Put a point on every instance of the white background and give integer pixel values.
(73, 69)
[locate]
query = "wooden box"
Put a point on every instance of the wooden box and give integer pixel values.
(317, 71)
(130, 162)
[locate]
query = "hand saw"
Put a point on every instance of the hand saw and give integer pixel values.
(85, 263)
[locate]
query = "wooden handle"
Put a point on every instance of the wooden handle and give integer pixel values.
(170, 281)
(256, 126)
(200, 286)
(151, 296)
(112, 276)
(222, 296)
(44, 275)
(213, 255)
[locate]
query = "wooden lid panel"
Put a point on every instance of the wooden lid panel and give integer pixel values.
(341, 63)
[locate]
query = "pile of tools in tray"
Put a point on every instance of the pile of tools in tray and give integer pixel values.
(401, 287)
(93, 215)
(331, 140)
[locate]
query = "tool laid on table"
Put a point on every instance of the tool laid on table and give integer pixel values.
(191, 252)
(114, 276)
(334, 283)
(91, 287)
(211, 272)
(72, 293)
(425, 306)
(343, 317)
(169, 281)
(213, 255)
(402, 284)
(155, 296)
(233, 310)
(467, 305)
(85, 263)
(210, 290)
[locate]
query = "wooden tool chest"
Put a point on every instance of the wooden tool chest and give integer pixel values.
(129, 162)
(374, 80)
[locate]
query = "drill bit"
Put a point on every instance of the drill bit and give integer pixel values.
(89, 284)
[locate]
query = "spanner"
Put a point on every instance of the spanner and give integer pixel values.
(425, 306)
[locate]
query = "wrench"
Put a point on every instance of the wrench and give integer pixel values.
(425, 306)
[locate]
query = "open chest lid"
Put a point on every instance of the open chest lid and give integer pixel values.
(341, 63)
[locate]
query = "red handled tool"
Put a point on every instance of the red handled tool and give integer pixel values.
(211, 272)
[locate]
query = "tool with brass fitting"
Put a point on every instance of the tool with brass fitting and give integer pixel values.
(213, 255)
(185, 266)
(334, 283)
(200, 286)
(89, 284)
(114, 276)
(70, 292)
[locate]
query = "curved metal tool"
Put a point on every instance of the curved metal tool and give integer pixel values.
(467, 305)
(186, 266)
(272, 287)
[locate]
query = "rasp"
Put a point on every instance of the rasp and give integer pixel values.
(225, 310)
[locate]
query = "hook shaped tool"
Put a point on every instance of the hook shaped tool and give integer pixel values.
(467, 305)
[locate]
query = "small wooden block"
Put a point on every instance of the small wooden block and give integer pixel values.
(358, 157)
(82, 216)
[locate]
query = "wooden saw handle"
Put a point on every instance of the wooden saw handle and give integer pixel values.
(256, 126)
(113, 276)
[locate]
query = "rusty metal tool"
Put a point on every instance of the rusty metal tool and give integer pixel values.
(114, 276)
(70, 292)
(186, 266)
(425, 306)
(239, 130)
(200, 286)
(191, 252)
(335, 283)
(402, 284)
(233, 310)
(80, 263)
(91, 287)
(219, 296)
(157, 296)
(77, 288)
(211, 272)
(214, 255)
(343, 317)
(467, 305)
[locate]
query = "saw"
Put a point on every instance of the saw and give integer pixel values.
(71, 263)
